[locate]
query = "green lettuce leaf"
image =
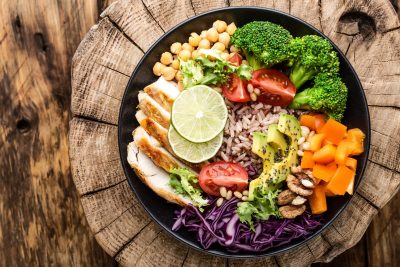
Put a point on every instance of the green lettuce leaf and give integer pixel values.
(202, 70)
(185, 182)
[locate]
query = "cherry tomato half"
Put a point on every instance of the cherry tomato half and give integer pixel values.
(236, 89)
(223, 174)
(276, 88)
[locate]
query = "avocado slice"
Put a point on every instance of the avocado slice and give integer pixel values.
(275, 138)
(263, 146)
(290, 126)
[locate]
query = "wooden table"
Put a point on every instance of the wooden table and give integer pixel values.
(42, 222)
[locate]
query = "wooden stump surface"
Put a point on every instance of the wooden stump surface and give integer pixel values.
(368, 32)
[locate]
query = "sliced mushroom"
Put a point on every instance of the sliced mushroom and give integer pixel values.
(299, 200)
(286, 197)
(291, 211)
(295, 186)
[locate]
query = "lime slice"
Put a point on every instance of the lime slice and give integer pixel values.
(193, 152)
(199, 114)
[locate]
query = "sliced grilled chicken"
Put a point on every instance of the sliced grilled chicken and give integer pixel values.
(154, 129)
(163, 92)
(153, 176)
(153, 110)
(153, 149)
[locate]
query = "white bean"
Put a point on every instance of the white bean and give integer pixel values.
(237, 194)
(228, 195)
(222, 191)
(220, 201)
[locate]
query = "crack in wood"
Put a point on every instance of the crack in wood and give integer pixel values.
(108, 67)
(119, 251)
(319, 15)
(383, 166)
(87, 194)
(93, 119)
(191, 4)
(367, 200)
(276, 261)
(123, 33)
(184, 260)
(151, 15)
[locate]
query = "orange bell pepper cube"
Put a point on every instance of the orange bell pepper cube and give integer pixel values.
(318, 200)
(334, 131)
(324, 172)
(316, 141)
(340, 180)
(306, 160)
(325, 155)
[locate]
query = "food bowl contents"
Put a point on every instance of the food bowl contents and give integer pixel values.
(243, 129)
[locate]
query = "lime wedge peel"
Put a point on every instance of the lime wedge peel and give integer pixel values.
(199, 114)
(193, 152)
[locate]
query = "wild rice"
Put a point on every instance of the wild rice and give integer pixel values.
(243, 119)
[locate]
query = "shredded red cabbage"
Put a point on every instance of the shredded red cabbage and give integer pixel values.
(221, 225)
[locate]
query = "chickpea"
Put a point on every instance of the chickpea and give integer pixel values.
(224, 38)
(219, 46)
(180, 85)
(185, 55)
(188, 47)
(220, 25)
(231, 28)
(178, 76)
(158, 68)
(203, 34)
(233, 49)
(168, 73)
(195, 54)
(205, 43)
(212, 35)
(166, 58)
(175, 64)
(176, 48)
(194, 39)
(225, 55)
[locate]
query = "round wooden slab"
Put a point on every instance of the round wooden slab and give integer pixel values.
(368, 32)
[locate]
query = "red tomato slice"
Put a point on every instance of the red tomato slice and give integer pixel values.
(276, 88)
(223, 174)
(235, 59)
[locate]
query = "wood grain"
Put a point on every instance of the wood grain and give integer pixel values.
(41, 222)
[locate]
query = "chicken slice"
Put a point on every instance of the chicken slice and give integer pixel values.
(154, 129)
(153, 110)
(153, 149)
(163, 92)
(153, 176)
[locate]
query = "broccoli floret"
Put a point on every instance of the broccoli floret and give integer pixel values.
(328, 95)
(311, 55)
(264, 43)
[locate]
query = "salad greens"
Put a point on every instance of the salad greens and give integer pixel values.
(184, 182)
(264, 43)
(203, 70)
(329, 94)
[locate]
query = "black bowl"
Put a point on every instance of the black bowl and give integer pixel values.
(163, 212)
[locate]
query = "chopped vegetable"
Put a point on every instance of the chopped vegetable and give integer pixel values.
(185, 182)
(264, 43)
(340, 180)
(343, 151)
(318, 200)
(351, 163)
(350, 188)
(328, 95)
(310, 55)
(308, 120)
(325, 155)
(316, 142)
(324, 172)
(306, 161)
(334, 131)
(357, 137)
(320, 120)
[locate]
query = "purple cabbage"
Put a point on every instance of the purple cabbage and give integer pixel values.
(221, 225)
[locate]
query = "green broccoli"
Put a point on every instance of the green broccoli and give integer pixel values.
(264, 43)
(310, 55)
(328, 95)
